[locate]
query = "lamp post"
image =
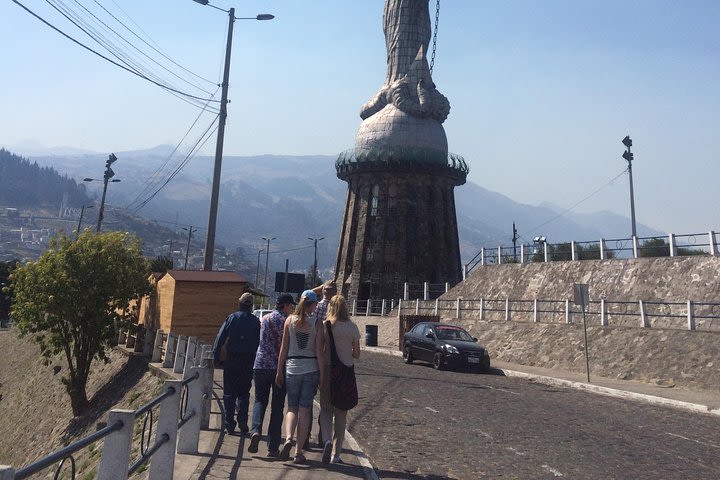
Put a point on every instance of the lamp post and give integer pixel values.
(106, 178)
(267, 257)
(627, 155)
(82, 211)
(215, 192)
(314, 273)
(257, 269)
(187, 250)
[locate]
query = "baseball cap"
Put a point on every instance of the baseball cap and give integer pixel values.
(246, 298)
(285, 299)
(309, 295)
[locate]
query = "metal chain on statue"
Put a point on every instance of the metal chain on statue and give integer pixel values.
(437, 19)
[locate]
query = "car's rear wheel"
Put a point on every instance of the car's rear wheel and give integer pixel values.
(437, 361)
(485, 366)
(407, 354)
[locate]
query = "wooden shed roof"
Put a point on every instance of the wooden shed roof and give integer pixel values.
(203, 276)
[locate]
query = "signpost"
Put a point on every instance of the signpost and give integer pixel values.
(582, 298)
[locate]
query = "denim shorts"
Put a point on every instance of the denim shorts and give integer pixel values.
(301, 389)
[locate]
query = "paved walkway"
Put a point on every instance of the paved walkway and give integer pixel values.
(224, 456)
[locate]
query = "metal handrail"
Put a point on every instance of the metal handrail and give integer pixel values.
(66, 452)
(155, 401)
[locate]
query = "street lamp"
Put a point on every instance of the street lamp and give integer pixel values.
(215, 192)
(267, 257)
(187, 250)
(106, 178)
(257, 269)
(314, 273)
(82, 211)
(627, 155)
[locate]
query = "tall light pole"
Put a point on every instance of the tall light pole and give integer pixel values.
(627, 155)
(314, 273)
(267, 257)
(82, 211)
(106, 178)
(215, 192)
(187, 250)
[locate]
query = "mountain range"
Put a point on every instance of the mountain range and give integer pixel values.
(293, 198)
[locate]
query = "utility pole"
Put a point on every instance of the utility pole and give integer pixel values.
(267, 258)
(314, 272)
(106, 178)
(187, 250)
(257, 269)
(215, 193)
(514, 240)
(82, 211)
(627, 155)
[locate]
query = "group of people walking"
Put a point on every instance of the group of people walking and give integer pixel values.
(293, 352)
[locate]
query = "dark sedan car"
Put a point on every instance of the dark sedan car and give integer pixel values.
(444, 346)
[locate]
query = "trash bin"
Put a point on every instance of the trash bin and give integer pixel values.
(371, 335)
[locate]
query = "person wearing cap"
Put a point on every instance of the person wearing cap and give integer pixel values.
(302, 361)
(264, 372)
(240, 335)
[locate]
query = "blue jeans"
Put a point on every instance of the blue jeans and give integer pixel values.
(237, 380)
(264, 380)
(301, 389)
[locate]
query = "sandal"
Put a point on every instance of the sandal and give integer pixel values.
(299, 459)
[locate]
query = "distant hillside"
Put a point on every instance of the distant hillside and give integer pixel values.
(29, 185)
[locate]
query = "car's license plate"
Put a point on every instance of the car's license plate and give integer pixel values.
(473, 360)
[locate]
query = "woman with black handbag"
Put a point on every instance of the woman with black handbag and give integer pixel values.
(339, 393)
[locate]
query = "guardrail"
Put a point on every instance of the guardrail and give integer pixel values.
(183, 412)
(671, 245)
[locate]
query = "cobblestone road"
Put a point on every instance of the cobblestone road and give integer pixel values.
(418, 423)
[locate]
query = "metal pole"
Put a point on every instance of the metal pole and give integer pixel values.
(212, 220)
(627, 141)
(287, 267)
(102, 203)
(315, 264)
(587, 359)
(267, 258)
(187, 250)
(257, 269)
(82, 210)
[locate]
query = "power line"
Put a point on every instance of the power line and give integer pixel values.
(534, 229)
(166, 87)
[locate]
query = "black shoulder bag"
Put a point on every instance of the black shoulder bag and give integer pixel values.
(343, 387)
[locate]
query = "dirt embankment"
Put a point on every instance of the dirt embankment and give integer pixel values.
(35, 414)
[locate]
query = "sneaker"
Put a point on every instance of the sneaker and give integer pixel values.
(273, 454)
(254, 441)
(299, 459)
(285, 452)
(336, 459)
(327, 452)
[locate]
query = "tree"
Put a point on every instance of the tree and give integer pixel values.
(658, 247)
(563, 251)
(6, 268)
(74, 299)
(309, 278)
(160, 264)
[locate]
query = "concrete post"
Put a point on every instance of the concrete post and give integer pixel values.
(536, 316)
(162, 463)
(457, 308)
(602, 249)
(392, 304)
(367, 307)
(464, 272)
(148, 343)
(426, 291)
(406, 291)
(436, 306)
(691, 315)
(354, 306)
(382, 308)
(7, 472)
(482, 308)
(644, 321)
(573, 250)
(115, 460)
(447, 287)
(499, 256)
(635, 246)
(545, 251)
(157, 347)
(180, 354)
(507, 309)
(713, 244)
(189, 434)
(482, 256)
(568, 312)
(207, 385)
(169, 359)
(603, 313)
(417, 306)
(190, 354)
(399, 310)
(673, 245)
(522, 253)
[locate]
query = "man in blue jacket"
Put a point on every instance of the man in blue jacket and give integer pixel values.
(240, 334)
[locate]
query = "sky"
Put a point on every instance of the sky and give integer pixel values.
(541, 92)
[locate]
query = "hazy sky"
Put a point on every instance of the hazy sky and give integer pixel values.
(542, 92)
